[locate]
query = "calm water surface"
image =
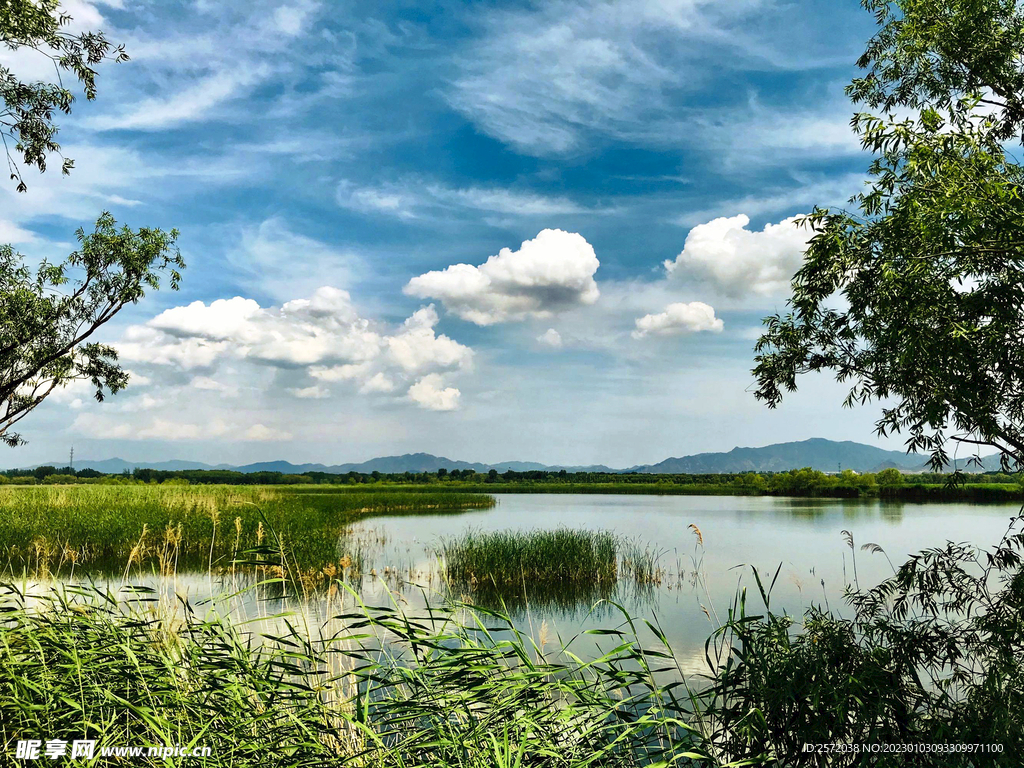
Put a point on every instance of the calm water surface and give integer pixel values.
(804, 536)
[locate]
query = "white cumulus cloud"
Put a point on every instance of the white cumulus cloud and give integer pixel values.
(265, 434)
(222, 319)
(431, 393)
(322, 338)
(146, 344)
(552, 272)
(417, 347)
(678, 318)
(212, 385)
(551, 338)
(377, 383)
(315, 392)
(334, 373)
(740, 261)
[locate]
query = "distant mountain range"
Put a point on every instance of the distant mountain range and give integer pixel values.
(817, 453)
(410, 462)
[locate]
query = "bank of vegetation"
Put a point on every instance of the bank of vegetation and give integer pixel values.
(147, 528)
(887, 483)
(462, 685)
(563, 568)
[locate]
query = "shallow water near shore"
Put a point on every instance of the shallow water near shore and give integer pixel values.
(698, 575)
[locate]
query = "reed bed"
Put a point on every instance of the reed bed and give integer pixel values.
(563, 556)
(459, 687)
(124, 529)
(567, 569)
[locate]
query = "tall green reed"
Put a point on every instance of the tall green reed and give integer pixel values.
(565, 569)
(54, 530)
(456, 686)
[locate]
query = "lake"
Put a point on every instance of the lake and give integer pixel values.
(804, 536)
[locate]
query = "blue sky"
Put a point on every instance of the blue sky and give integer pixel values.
(491, 231)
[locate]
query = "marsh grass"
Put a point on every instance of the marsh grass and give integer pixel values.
(566, 569)
(562, 555)
(372, 687)
(462, 686)
(136, 529)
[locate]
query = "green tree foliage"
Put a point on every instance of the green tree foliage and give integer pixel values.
(889, 476)
(48, 315)
(933, 655)
(944, 54)
(915, 299)
(27, 114)
(752, 481)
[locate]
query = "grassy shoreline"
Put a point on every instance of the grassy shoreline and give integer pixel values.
(931, 492)
(465, 687)
(910, 492)
(639, 489)
(113, 529)
(460, 685)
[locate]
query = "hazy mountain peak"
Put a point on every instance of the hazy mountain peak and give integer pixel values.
(815, 452)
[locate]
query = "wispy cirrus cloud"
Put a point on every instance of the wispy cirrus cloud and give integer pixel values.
(175, 430)
(111, 177)
(414, 198)
(12, 233)
(549, 79)
(796, 191)
(275, 259)
(195, 102)
(209, 69)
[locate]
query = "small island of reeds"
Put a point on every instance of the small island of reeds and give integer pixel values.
(562, 567)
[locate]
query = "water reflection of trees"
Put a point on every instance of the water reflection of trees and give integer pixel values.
(849, 509)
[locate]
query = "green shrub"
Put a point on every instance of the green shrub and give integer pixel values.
(60, 480)
(933, 655)
(889, 477)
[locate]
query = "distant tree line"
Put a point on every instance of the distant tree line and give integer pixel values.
(801, 482)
